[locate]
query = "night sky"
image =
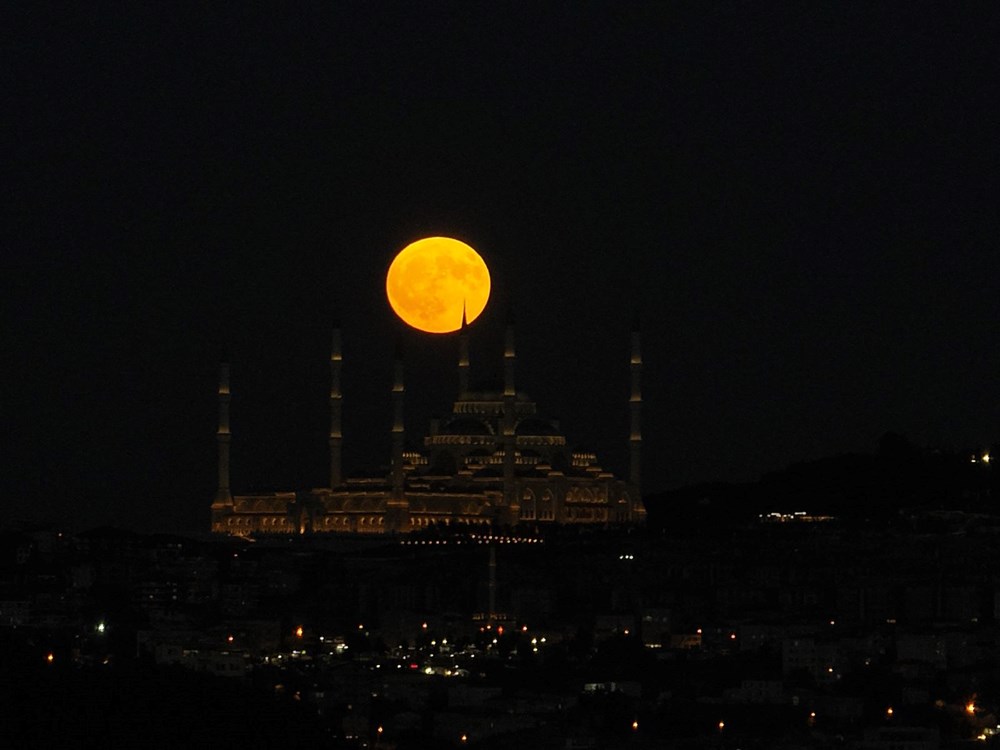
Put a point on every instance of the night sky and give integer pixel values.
(801, 206)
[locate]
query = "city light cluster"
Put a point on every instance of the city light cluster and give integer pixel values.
(473, 539)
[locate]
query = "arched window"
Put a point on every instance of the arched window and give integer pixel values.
(528, 505)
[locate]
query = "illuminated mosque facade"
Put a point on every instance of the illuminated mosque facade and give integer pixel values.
(494, 462)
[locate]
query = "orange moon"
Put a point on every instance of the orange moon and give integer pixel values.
(431, 280)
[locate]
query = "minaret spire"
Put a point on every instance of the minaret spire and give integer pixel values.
(336, 415)
(397, 517)
(398, 435)
(509, 424)
(635, 413)
(463, 357)
(509, 359)
(223, 497)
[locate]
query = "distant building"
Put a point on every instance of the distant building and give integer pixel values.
(494, 461)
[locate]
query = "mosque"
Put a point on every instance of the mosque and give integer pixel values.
(494, 462)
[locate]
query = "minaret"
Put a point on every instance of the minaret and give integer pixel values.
(463, 357)
(397, 516)
(397, 427)
(336, 434)
(635, 413)
(223, 497)
(509, 439)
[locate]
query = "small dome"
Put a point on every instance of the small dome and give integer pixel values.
(466, 426)
(535, 426)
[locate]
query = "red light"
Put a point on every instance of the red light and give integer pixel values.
(414, 666)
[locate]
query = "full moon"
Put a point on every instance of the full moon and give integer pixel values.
(431, 280)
